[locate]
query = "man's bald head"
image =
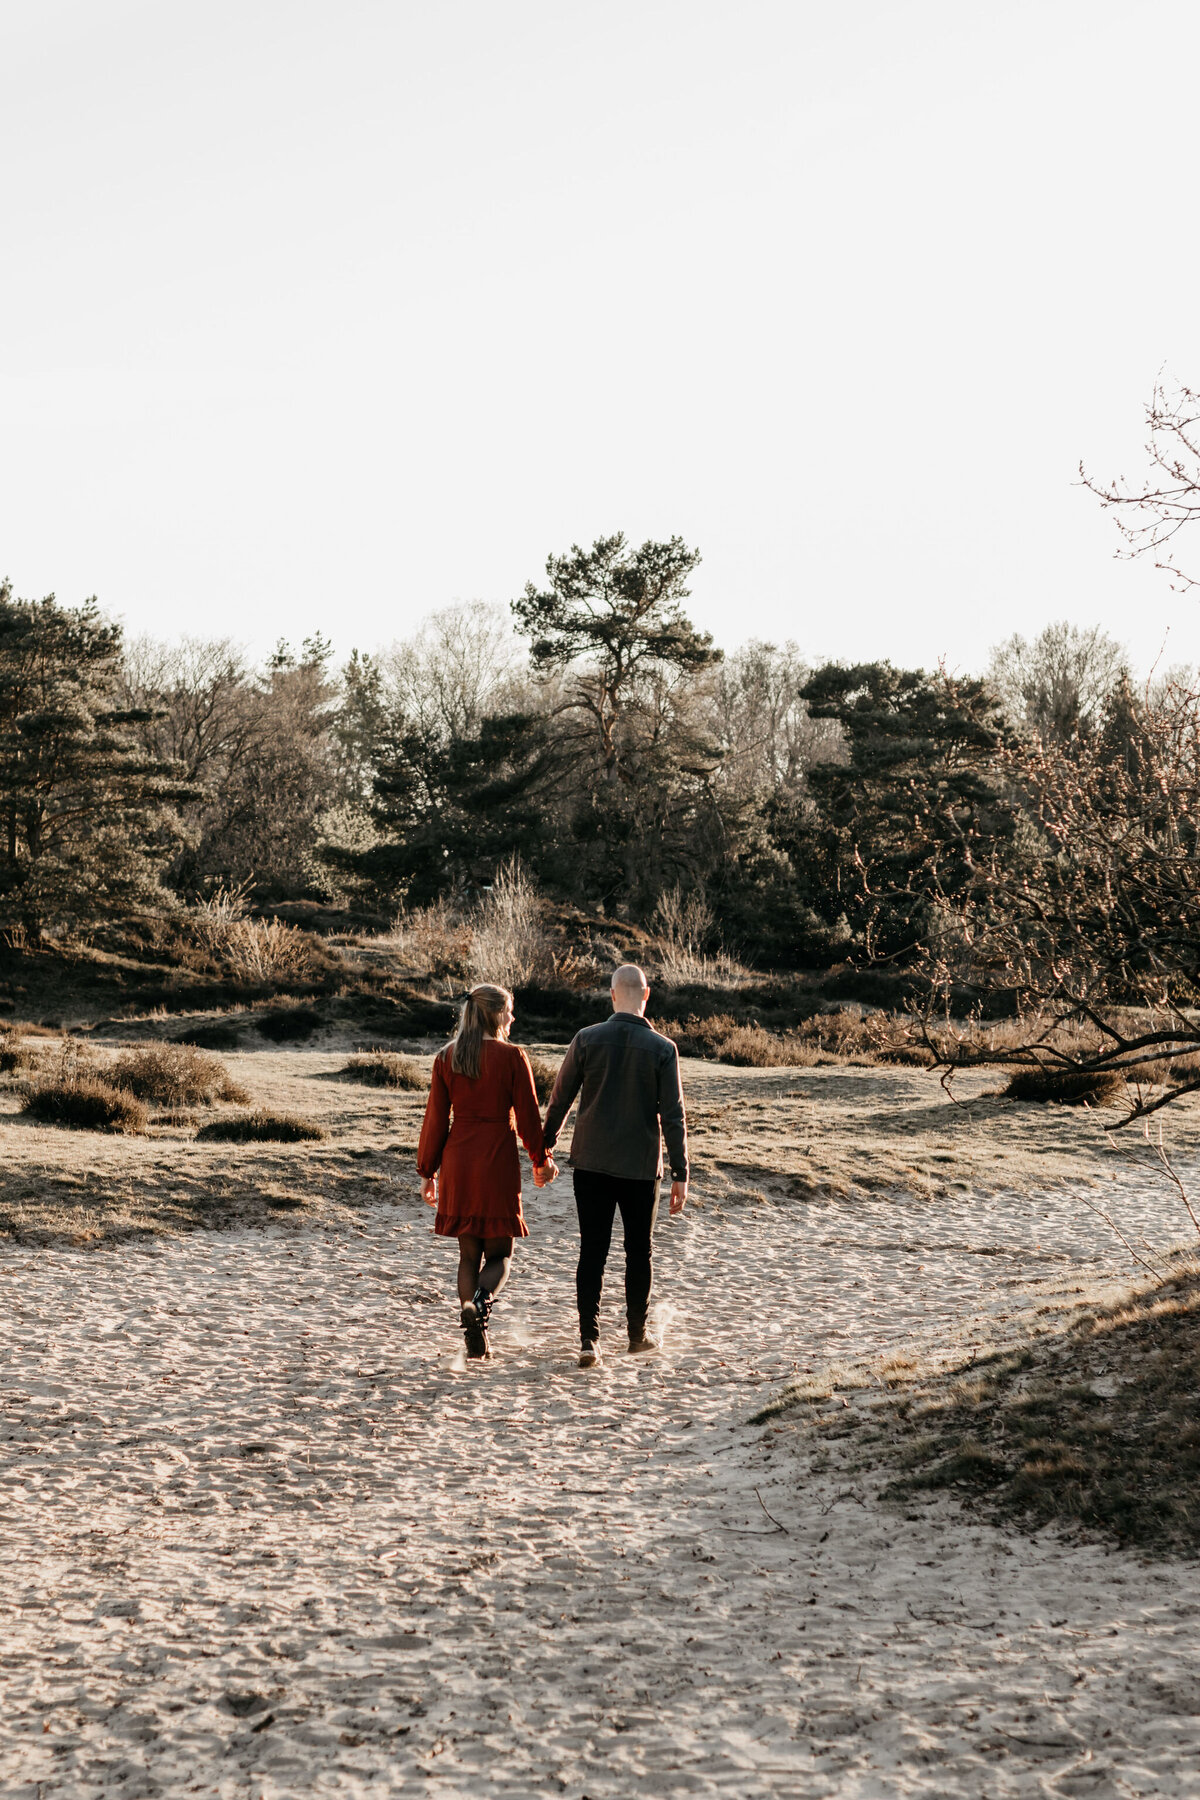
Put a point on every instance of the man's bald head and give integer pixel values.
(630, 989)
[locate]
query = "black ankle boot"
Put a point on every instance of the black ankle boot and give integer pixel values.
(475, 1333)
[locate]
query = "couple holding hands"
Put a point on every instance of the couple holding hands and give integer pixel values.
(481, 1095)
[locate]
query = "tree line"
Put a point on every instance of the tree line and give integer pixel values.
(590, 730)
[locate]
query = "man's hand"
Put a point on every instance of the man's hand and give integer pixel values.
(429, 1189)
(678, 1197)
(546, 1174)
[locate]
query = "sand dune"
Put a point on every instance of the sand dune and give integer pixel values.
(262, 1534)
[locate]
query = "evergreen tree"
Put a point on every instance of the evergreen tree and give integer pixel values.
(635, 743)
(88, 817)
(448, 813)
(914, 815)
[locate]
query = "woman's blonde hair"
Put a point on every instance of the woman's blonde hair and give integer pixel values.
(481, 1016)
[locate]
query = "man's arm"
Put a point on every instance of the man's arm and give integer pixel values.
(566, 1085)
(674, 1126)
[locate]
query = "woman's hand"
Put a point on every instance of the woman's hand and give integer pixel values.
(429, 1189)
(546, 1174)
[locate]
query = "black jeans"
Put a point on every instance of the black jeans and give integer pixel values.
(597, 1198)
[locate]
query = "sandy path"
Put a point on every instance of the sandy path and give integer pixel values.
(259, 1535)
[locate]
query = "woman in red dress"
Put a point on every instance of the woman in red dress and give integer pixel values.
(480, 1096)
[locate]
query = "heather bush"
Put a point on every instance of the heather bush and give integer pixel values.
(288, 1024)
(383, 1068)
(213, 1036)
(87, 1104)
(175, 1075)
(262, 1128)
(1070, 1087)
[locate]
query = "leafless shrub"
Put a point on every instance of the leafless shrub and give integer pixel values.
(1092, 935)
(1151, 516)
(435, 940)
(509, 944)
(686, 926)
(255, 949)
(724, 1039)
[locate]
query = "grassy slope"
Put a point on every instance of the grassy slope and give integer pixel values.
(1093, 1424)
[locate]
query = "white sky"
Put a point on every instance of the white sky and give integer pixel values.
(322, 315)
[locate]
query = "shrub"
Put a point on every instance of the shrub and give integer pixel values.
(509, 943)
(262, 1128)
(544, 1076)
(289, 1025)
(1070, 1087)
(722, 1039)
(87, 1104)
(382, 1068)
(435, 939)
(175, 1075)
(685, 927)
(256, 949)
(213, 1036)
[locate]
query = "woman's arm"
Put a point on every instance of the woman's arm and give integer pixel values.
(525, 1106)
(436, 1127)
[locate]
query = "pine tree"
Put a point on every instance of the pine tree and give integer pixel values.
(913, 814)
(636, 749)
(87, 818)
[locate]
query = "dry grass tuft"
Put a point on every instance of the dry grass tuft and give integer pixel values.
(87, 1104)
(383, 1068)
(687, 926)
(175, 1075)
(262, 1128)
(1069, 1087)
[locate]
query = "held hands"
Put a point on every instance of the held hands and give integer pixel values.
(546, 1174)
(429, 1190)
(678, 1196)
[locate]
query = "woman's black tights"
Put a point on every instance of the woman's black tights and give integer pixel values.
(482, 1263)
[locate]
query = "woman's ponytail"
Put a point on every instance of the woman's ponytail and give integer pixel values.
(481, 1017)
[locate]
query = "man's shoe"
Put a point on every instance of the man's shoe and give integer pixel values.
(478, 1348)
(639, 1345)
(589, 1356)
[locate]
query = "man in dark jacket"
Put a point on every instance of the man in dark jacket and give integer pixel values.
(627, 1077)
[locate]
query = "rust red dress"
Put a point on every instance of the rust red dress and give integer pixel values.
(470, 1136)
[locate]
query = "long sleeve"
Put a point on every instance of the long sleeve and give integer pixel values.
(672, 1117)
(436, 1127)
(567, 1084)
(528, 1114)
